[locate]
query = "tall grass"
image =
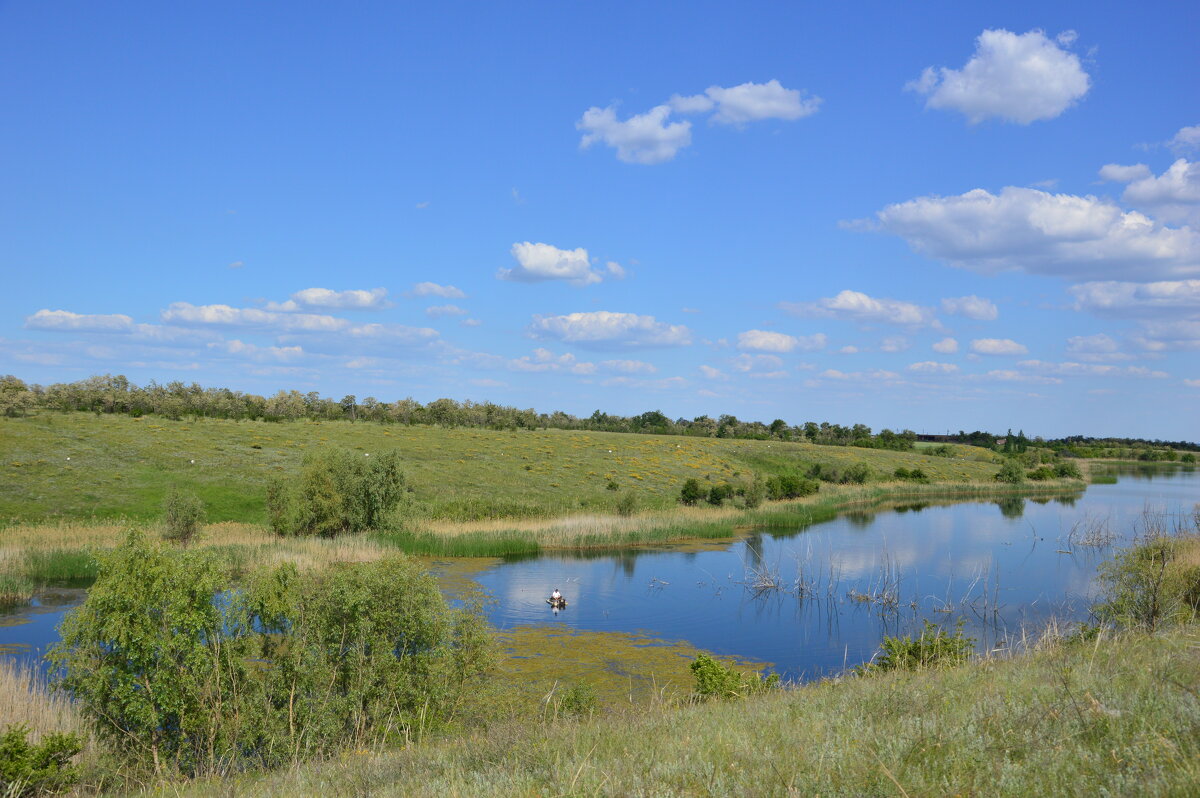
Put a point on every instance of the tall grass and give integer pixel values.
(1116, 716)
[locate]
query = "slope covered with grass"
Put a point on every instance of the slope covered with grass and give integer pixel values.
(120, 466)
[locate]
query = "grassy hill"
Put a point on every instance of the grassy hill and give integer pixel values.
(83, 466)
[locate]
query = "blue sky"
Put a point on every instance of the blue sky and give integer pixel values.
(944, 216)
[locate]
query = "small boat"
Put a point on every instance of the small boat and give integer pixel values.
(556, 603)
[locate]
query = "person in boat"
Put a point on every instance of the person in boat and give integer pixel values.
(556, 597)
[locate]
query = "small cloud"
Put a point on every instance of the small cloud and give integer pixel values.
(767, 341)
(487, 383)
(848, 350)
(630, 366)
(470, 322)
(517, 198)
(602, 327)
(1192, 383)
(748, 102)
(237, 264)
(896, 343)
(1186, 140)
(541, 262)
(713, 374)
(78, 322)
(689, 310)
(422, 205)
(375, 299)
(946, 346)
(643, 139)
(972, 307)
(433, 289)
(615, 270)
(1019, 78)
(998, 346)
(859, 307)
(438, 311)
(933, 367)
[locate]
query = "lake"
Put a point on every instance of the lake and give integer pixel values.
(817, 600)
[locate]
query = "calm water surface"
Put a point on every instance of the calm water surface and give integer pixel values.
(1000, 566)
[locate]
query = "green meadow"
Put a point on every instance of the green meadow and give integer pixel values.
(77, 466)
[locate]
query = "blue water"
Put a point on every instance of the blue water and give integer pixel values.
(1002, 567)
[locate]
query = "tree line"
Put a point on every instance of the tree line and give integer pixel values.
(177, 400)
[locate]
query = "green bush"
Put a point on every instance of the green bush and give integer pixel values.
(1067, 470)
(179, 673)
(183, 515)
(28, 769)
(579, 700)
(790, 486)
(1011, 472)
(714, 680)
(719, 494)
(915, 475)
(338, 491)
(754, 494)
(1041, 474)
(692, 492)
(627, 503)
(933, 648)
(1154, 583)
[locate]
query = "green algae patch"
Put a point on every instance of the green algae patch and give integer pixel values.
(456, 575)
(622, 667)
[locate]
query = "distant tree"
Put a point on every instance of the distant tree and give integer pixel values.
(337, 491)
(183, 514)
(692, 492)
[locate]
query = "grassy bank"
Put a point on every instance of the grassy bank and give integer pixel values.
(1115, 716)
(79, 466)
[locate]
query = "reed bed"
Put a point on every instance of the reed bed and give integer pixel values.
(25, 698)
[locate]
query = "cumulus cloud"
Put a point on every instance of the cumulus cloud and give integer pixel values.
(1015, 77)
(433, 289)
(896, 343)
(1096, 348)
(540, 262)
(65, 320)
(545, 360)
(1173, 196)
(933, 367)
(998, 346)
(438, 311)
(1073, 369)
(875, 374)
(615, 270)
(257, 353)
(644, 138)
(225, 315)
(767, 341)
(1010, 375)
(1041, 233)
(756, 363)
(946, 346)
(375, 299)
(748, 102)
(857, 306)
(712, 373)
(630, 366)
(1149, 300)
(1160, 336)
(652, 138)
(1186, 140)
(1192, 383)
(606, 328)
(973, 307)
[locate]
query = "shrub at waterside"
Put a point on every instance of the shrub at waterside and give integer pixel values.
(338, 491)
(183, 515)
(177, 672)
(716, 680)
(1153, 584)
(40, 768)
(933, 648)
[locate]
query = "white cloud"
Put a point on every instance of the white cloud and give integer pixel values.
(1009, 375)
(973, 307)
(946, 346)
(1041, 233)
(1138, 299)
(1192, 383)
(848, 350)
(540, 262)
(876, 374)
(1015, 77)
(1072, 369)
(237, 264)
(257, 353)
(65, 320)
(749, 102)
(437, 311)
(630, 366)
(1096, 348)
(375, 299)
(1187, 139)
(998, 346)
(1173, 196)
(767, 341)
(615, 270)
(644, 138)
(545, 360)
(933, 367)
(433, 289)
(470, 322)
(748, 363)
(896, 343)
(857, 306)
(224, 315)
(604, 327)
(713, 374)
(1159, 336)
